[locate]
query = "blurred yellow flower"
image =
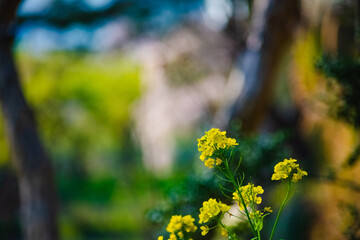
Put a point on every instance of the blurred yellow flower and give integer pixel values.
(268, 209)
(224, 232)
(209, 163)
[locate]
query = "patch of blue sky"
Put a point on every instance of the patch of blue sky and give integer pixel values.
(34, 6)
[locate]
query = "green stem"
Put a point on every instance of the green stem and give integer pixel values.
(246, 211)
(232, 179)
(259, 238)
(227, 229)
(280, 210)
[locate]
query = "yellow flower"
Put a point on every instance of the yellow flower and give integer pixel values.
(224, 232)
(181, 235)
(175, 224)
(205, 229)
(218, 161)
(268, 209)
(188, 223)
(298, 176)
(286, 168)
(231, 142)
(209, 163)
(210, 209)
(212, 141)
(256, 214)
(161, 238)
(178, 224)
(249, 194)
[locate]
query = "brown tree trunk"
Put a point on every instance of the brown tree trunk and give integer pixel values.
(36, 184)
(272, 29)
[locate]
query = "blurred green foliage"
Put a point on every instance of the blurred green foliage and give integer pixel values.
(4, 153)
(346, 72)
(85, 98)
(82, 103)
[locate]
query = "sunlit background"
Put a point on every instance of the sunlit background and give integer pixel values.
(121, 90)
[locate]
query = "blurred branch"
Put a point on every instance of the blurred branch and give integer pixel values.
(37, 191)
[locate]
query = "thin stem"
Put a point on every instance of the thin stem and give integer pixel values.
(238, 217)
(280, 210)
(259, 238)
(227, 229)
(232, 179)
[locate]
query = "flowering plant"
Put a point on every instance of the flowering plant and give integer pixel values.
(217, 151)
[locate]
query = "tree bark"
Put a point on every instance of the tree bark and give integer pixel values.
(36, 183)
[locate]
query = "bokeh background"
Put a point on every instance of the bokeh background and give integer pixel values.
(121, 89)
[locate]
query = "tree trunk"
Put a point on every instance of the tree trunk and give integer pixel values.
(273, 25)
(36, 183)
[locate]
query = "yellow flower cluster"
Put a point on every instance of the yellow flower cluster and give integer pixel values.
(288, 167)
(256, 214)
(259, 214)
(210, 209)
(213, 140)
(178, 225)
(249, 194)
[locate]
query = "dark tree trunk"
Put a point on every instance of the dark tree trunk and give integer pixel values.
(36, 184)
(272, 29)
